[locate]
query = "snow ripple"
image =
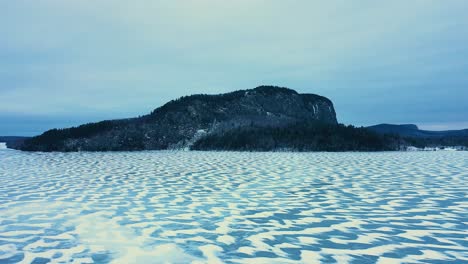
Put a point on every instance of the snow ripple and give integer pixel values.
(216, 207)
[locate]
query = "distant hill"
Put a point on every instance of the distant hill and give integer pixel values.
(412, 135)
(410, 130)
(180, 123)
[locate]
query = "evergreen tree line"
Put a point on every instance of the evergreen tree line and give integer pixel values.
(313, 136)
(445, 141)
(299, 137)
(53, 139)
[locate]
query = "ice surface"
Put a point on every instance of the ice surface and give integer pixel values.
(216, 207)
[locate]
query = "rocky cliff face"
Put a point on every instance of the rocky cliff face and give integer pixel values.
(181, 122)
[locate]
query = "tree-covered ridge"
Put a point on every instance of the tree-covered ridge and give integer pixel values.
(177, 123)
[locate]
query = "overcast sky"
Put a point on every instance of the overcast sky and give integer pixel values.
(63, 63)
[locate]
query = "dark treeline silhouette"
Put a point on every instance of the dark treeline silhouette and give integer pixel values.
(299, 137)
(54, 138)
(13, 141)
(312, 136)
(445, 141)
(416, 137)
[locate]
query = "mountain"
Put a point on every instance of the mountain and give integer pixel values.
(182, 122)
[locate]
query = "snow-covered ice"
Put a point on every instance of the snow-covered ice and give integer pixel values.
(228, 207)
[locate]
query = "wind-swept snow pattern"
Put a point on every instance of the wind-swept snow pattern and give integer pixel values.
(216, 207)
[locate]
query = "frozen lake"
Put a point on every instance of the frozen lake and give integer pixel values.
(208, 207)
